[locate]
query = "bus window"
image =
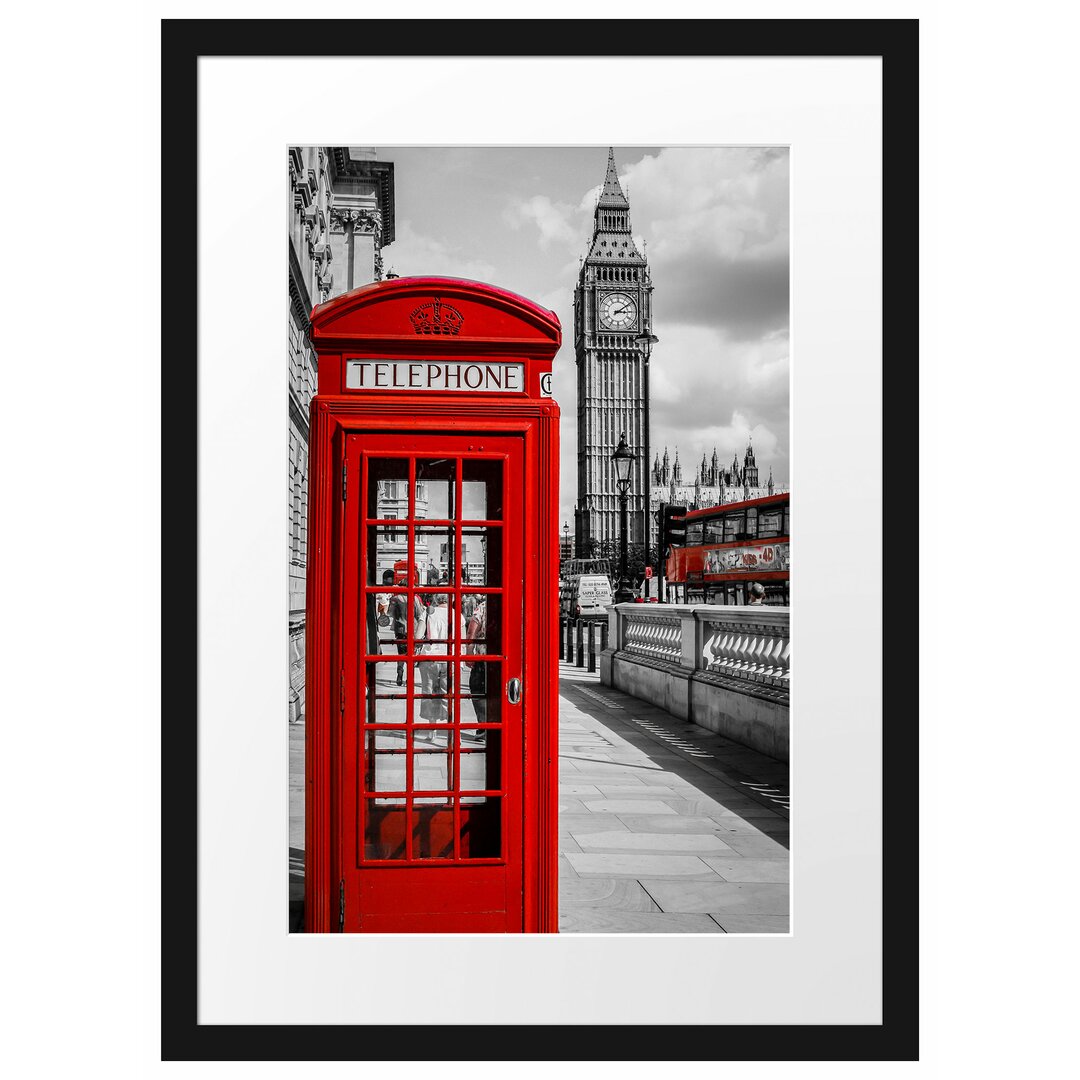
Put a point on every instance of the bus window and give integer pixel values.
(734, 527)
(770, 522)
(714, 531)
(776, 593)
(787, 520)
(751, 522)
(693, 533)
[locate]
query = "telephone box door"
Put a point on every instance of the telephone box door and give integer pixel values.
(431, 783)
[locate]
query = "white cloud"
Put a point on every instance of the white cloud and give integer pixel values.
(556, 222)
(716, 224)
(709, 390)
(413, 254)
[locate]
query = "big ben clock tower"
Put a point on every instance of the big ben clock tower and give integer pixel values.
(612, 330)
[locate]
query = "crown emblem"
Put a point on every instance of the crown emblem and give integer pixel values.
(436, 318)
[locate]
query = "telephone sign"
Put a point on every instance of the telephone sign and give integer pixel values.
(432, 671)
(429, 375)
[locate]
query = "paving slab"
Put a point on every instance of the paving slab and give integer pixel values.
(576, 824)
(636, 791)
(627, 806)
(669, 823)
(765, 828)
(753, 813)
(640, 865)
(753, 924)
(622, 893)
(660, 843)
(570, 805)
(744, 869)
(587, 920)
(756, 847)
(718, 897)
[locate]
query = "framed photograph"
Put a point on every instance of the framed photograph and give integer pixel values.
(779, 189)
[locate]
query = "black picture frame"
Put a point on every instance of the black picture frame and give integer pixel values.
(183, 1038)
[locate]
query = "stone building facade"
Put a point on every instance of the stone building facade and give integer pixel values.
(612, 321)
(341, 216)
(712, 485)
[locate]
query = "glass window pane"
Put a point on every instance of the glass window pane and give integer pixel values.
(388, 487)
(481, 552)
(481, 690)
(431, 705)
(480, 758)
(384, 760)
(734, 527)
(481, 827)
(384, 699)
(435, 555)
(770, 523)
(433, 829)
(386, 555)
(481, 490)
(435, 482)
(431, 761)
(384, 829)
(442, 625)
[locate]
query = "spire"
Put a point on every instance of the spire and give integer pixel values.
(612, 195)
(612, 245)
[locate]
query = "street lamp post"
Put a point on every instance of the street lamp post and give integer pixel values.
(623, 460)
(648, 339)
(566, 539)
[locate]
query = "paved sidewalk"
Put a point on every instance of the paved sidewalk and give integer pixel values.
(664, 827)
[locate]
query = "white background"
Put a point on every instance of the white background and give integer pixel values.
(998, 235)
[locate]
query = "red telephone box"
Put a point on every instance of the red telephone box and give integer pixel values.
(432, 612)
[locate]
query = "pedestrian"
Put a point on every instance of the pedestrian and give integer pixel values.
(435, 708)
(397, 608)
(477, 635)
(756, 594)
(468, 605)
(420, 610)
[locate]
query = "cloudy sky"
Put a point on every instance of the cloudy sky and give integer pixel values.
(713, 222)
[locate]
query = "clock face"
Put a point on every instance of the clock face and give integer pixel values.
(618, 311)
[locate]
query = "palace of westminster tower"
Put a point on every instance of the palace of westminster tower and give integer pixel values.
(612, 324)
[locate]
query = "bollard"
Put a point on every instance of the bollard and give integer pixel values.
(562, 640)
(580, 645)
(592, 647)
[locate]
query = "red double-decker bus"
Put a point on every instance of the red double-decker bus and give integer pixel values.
(729, 547)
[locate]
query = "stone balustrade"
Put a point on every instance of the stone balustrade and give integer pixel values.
(660, 637)
(751, 644)
(726, 668)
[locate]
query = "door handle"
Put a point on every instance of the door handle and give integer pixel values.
(513, 691)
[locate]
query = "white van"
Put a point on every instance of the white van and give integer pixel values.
(589, 596)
